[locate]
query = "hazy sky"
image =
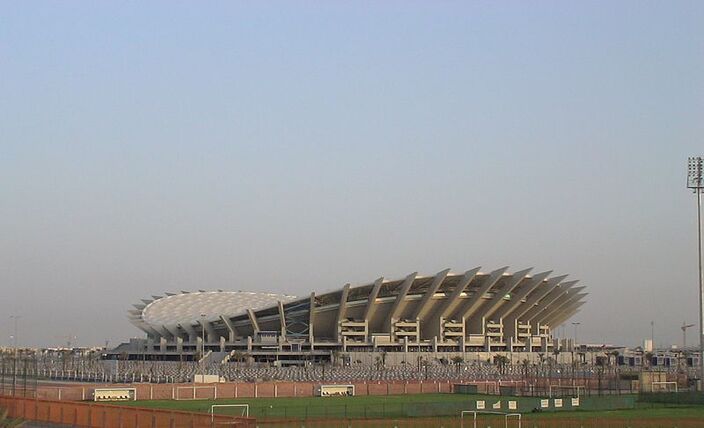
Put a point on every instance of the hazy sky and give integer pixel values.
(297, 146)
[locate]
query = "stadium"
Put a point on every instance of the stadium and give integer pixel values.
(447, 312)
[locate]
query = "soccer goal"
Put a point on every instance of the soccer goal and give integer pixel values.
(573, 390)
(241, 410)
(663, 386)
(192, 392)
(474, 413)
(490, 387)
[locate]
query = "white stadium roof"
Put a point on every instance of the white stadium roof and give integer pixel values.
(188, 307)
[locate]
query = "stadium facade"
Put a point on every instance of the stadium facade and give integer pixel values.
(447, 312)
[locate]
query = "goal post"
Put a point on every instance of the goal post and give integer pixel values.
(475, 413)
(491, 387)
(664, 386)
(572, 388)
(193, 392)
(241, 410)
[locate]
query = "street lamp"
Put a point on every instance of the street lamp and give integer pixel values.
(14, 337)
(14, 358)
(202, 351)
(684, 334)
(696, 183)
(652, 336)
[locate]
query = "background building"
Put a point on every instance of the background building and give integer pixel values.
(449, 312)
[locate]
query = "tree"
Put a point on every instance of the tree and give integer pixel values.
(238, 356)
(457, 361)
(525, 364)
(501, 361)
(648, 359)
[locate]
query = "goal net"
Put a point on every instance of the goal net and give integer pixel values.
(664, 386)
(234, 410)
(195, 392)
(562, 390)
(470, 419)
(490, 387)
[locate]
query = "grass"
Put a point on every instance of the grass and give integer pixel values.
(420, 405)
(317, 407)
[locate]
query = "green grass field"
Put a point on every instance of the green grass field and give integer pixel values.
(422, 405)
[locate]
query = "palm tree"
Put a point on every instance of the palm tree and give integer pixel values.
(457, 360)
(378, 362)
(238, 356)
(648, 359)
(7, 422)
(501, 361)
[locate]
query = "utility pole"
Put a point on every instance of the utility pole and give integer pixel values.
(695, 181)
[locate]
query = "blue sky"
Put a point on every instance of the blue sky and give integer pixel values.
(297, 146)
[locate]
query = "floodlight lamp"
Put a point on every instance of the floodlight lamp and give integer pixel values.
(694, 173)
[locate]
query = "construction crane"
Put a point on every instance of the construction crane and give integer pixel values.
(684, 334)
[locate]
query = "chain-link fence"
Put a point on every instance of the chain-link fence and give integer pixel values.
(93, 415)
(486, 421)
(673, 398)
(436, 409)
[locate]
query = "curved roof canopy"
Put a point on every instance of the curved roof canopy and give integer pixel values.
(189, 307)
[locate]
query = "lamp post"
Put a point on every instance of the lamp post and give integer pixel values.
(684, 335)
(202, 347)
(14, 358)
(696, 183)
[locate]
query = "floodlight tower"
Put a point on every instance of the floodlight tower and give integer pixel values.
(696, 183)
(684, 328)
(202, 352)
